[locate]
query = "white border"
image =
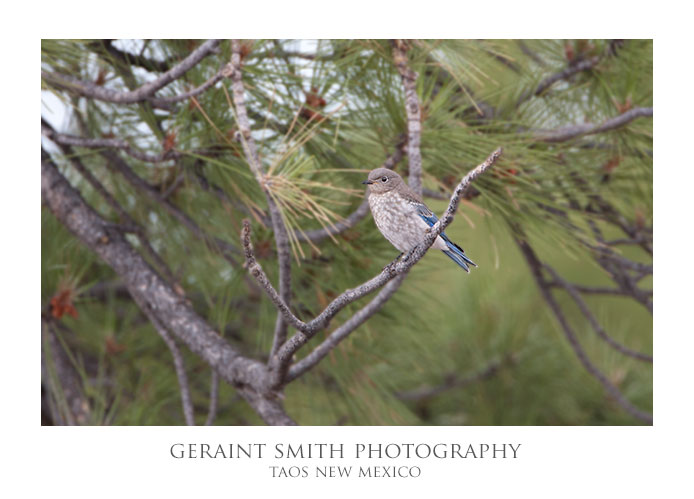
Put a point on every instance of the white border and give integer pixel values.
(553, 462)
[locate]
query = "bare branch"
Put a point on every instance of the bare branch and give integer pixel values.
(345, 329)
(257, 271)
(278, 226)
(414, 116)
(620, 269)
(565, 74)
(186, 399)
(571, 132)
(339, 227)
(89, 143)
(154, 296)
(89, 89)
(165, 101)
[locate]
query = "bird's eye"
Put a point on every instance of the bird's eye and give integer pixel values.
(384, 179)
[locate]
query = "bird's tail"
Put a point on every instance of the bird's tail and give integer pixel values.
(457, 254)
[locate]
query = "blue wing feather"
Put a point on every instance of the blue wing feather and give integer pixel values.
(454, 252)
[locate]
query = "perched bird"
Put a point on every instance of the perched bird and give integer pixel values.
(403, 218)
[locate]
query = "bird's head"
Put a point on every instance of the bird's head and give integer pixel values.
(382, 180)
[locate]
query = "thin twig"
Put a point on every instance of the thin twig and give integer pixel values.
(186, 399)
(339, 227)
(565, 74)
(164, 101)
(573, 131)
(340, 333)
(89, 143)
(429, 193)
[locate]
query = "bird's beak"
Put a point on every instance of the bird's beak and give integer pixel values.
(368, 182)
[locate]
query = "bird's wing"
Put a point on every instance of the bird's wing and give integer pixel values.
(426, 214)
(454, 252)
(423, 211)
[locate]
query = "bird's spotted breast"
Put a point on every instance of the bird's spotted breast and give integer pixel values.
(397, 219)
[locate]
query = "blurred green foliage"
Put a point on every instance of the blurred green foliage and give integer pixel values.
(443, 322)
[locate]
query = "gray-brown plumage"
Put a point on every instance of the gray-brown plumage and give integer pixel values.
(403, 218)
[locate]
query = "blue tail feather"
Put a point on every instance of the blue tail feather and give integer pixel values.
(457, 259)
(457, 254)
(454, 251)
